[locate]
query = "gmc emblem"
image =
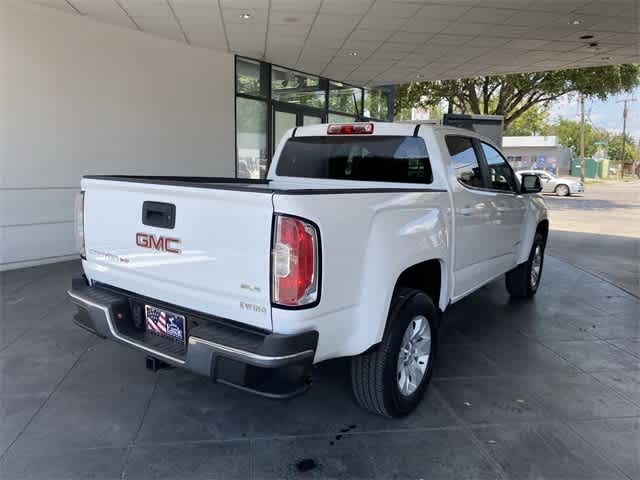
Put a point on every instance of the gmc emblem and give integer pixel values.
(163, 244)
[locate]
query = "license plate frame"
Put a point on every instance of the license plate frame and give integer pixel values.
(165, 324)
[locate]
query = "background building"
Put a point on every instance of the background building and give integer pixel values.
(155, 87)
(543, 153)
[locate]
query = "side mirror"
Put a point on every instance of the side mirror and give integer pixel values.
(530, 184)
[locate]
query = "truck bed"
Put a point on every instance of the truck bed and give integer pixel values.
(254, 185)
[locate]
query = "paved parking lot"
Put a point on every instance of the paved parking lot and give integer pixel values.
(600, 231)
(541, 389)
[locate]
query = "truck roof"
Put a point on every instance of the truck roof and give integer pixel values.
(388, 128)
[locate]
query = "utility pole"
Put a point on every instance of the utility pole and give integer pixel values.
(582, 138)
(625, 111)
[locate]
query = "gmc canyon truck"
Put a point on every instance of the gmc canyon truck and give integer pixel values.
(356, 242)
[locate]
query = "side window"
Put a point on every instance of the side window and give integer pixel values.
(500, 173)
(464, 160)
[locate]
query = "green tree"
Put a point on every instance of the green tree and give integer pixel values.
(615, 149)
(534, 121)
(513, 95)
(568, 133)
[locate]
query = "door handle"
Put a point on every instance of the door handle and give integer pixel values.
(158, 214)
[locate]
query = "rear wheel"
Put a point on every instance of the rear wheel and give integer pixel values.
(390, 380)
(523, 281)
(562, 190)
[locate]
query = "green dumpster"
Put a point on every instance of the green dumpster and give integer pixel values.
(591, 168)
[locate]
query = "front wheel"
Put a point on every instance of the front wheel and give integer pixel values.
(524, 280)
(563, 190)
(390, 379)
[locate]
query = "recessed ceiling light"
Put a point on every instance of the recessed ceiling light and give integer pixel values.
(586, 37)
(245, 16)
(575, 21)
(352, 53)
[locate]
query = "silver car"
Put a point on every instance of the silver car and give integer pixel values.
(562, 186)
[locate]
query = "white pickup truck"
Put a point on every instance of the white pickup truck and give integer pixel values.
(357, 241)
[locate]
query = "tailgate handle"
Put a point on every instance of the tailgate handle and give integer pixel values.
(158, 214)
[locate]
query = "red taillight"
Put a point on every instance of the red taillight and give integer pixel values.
(350, 129)
(295, 262)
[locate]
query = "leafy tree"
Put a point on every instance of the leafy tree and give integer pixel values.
(534, 121)
(615, 149)
(513, 95)
(568, 133)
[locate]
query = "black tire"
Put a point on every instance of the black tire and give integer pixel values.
(519, 280)
(374, 373)
(563, 190)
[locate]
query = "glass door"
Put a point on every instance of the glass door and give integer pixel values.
(282, 121)
(308, 119)
(286, 116)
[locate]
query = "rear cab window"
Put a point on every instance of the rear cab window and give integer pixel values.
(380, 158)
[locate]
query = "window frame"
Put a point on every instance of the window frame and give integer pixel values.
(428, 181)
(515, 188)
(265, 95)
(483, 169)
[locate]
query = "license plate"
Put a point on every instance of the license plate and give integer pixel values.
(165, 324)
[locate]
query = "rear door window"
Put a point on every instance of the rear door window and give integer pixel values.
(465, 161)
(379, 158)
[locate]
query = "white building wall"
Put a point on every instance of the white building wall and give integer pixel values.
(79, 97)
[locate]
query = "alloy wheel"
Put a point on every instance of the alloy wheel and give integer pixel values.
(413, 359)
(536, 266)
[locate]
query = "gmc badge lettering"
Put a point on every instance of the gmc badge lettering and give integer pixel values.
(163, 244)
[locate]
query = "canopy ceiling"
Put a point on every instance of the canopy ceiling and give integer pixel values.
(375, 42)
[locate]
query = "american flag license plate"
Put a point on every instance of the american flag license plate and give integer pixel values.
(165, 323)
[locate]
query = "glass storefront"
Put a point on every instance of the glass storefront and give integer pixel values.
(271, 99)
(345, 99)
(251, 137)
(298, 88)
(376, 104)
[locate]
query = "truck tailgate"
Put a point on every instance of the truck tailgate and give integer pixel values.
(216, 259)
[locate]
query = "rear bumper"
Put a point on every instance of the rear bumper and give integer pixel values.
(273, 365)
(575, 188)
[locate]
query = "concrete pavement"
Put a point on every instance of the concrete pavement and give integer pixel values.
(541, 389)
(600, 231)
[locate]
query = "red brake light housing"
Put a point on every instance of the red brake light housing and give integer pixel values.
(350, 129)
(295, 264)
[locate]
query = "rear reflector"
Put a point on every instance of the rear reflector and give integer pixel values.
(79, 223)
(350, 129)
(294, 269)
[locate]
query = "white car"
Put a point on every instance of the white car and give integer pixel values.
(562, 186)
(359, 239)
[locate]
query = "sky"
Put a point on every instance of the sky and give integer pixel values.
(607, 114)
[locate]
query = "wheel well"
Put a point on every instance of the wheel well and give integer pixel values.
(425, 276)
(543, 228)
